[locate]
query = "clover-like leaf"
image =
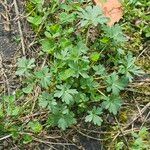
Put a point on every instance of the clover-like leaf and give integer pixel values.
(100, 70)
(35, 20)
(44, 77)
(94, 116)
(25, 66)
(35, 126)
(115, 84)
(112, 103)
(115, 33)
(92, 16)
(128, 67)
(66, 121)
(65, 93)
(79, 68)
(47, 100)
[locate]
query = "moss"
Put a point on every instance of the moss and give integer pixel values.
(123, 117)
(144, 63)
(29, 7)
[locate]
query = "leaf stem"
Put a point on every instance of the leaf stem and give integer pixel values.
(87, 36)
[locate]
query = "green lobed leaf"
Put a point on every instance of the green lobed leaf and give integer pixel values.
(24, 66)
(65, 93)
(92, 16)
(112, 103)
(44, 77)
(35, 126)
(115, 84)
(35, 20)
(94, 116)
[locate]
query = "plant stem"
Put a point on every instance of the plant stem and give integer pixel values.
(87, 36)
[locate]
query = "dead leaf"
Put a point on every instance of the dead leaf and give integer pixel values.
(112, 9)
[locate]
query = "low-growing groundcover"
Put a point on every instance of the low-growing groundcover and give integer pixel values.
(80, 75)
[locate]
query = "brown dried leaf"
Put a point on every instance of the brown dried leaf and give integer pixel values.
(112, 9)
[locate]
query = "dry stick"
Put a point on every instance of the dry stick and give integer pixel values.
(44, 137)
(142, 53)
(145, 119)
(120, 129)
(42, 141)
(35, 98)
(139, 110)
(19, 27)
(136, 117)
(87, 36)
(7, 23)
(5, 137)
(7, 82)
(88, 136)
(33, 115)
(52, 143)
(5, 76)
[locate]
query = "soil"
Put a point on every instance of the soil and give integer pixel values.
(8, 30)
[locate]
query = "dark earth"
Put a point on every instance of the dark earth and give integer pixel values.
(8, 30)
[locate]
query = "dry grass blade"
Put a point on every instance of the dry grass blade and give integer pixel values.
(19, 27)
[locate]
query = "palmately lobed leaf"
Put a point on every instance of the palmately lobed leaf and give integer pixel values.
(115, 84)
(92, 16)
(94, 116)
(35, 20)
(24, 66)
(112, 103)
(65, 93)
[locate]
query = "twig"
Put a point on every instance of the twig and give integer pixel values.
(101, 93)
(120, 129)
(33, 115)
(145, 119)
(139, 110)
(7, 82)
(142, 53)
(5, 137)
(138, 115)
(131, 90)
(37, 90)
(44, 61)
(87, 36)
(44, 136)
(6, 16)
(88, 136)
(19, 27)
(4, 74)
(52, 143)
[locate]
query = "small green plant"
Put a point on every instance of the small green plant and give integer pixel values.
(72, 79)
(35, 126)
(25, 66)
(140, 141)
(127, 67)
(94, 116)
(79, 78)
(92, 16)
